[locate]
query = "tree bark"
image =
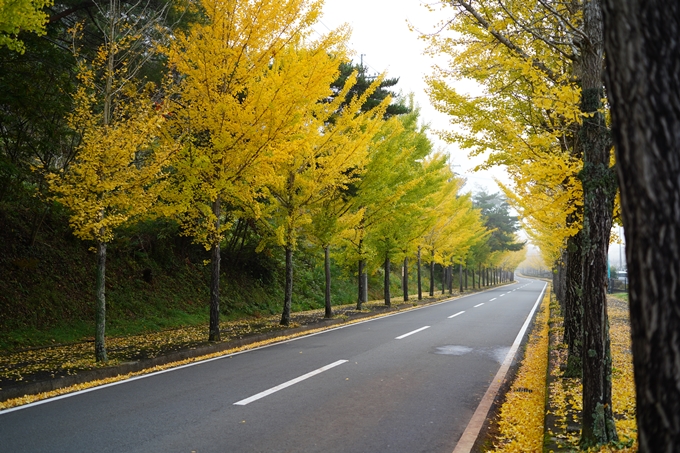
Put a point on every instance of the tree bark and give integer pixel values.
(445, 273)
(360, 274)
(288, 291)
(451, 279)
(599, 190)
(466, 279)
(573, 307)
(215, 256)
(460, 277)
(420, 284)
(405, 281)
(327, 271)
(432, 278)
(559, 279)
(365, 286)
(388, 295)
(643, 87)
(100, 307)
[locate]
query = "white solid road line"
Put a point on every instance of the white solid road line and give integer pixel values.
(411, 333)
(478, 305)
(459, 313)
(288, 384)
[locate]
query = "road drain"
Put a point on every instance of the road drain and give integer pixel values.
(523, 390)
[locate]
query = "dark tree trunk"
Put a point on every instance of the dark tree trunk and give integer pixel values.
(327, 270)
(472, 274)
(451, 279)
(405, 281)
(466, 276)
(643, 87)
(573, 307)
(481, 277)
(365, 284)
(559, 279)
(460, 278)
(420, 284)
(432, 278)
(100, 306)
(362, 282)
(214, 327)
(599, 190)
(288, 291)
(445, 274)
(388, 295)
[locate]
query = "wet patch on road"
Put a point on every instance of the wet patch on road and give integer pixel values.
(452, 349)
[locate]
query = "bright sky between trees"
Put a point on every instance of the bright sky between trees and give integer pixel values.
(381, 36)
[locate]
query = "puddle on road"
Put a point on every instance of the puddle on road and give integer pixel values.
(496, 353)
(452, 349)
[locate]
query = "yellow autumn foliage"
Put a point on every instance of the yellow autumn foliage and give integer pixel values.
(116, 174)
(528, 112)
(20, 16)
(248, 78)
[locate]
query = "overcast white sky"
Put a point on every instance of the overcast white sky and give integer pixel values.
(380, 32)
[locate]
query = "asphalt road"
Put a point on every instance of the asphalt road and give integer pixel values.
(404, 383)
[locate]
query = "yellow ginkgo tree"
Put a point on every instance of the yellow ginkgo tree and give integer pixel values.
(116, 174)
(329, 147)
(18, 16)
(248, 76)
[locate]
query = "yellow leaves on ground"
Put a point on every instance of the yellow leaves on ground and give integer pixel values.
(522, 414)
(521, 419)
(623, 383)
(566, 394)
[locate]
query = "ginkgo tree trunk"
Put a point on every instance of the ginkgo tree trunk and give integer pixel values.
(117, 171)
(238, 108)
(643, 85)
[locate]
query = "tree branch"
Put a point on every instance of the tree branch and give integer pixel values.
(506, 42)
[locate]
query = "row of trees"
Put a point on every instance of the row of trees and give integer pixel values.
(224, 113)
(544, 116)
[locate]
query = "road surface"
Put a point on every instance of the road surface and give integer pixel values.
(408, 382)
